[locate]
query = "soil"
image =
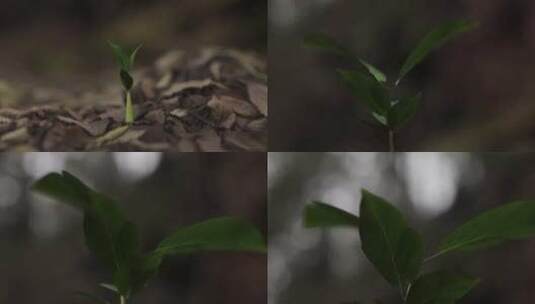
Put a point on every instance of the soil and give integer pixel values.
(208, 100)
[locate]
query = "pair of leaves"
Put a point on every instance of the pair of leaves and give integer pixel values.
(396, 250)
(432, 41)
(373, 91)
(115, 241)
(125, 59)
(328, 44)
(376, 96)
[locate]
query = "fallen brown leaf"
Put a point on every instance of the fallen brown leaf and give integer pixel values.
(258, 93)
(224, 105)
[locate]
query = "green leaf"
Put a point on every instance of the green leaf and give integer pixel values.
(512, 221)
(108, 235)
(64, 188)
(403, 111)
(434, 40)
(328, 44)
(372, 93)
(440, 288)
(126, 62)
(375, 72)
(102, 225)
(126, 80)
(109, 287)
(133, 54)
(320, 214)
(391, 246)
(143, 269)
(122, 57)
(219, 234)
(112, 239)
(381, 119)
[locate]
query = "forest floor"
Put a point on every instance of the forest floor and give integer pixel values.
(207, 100)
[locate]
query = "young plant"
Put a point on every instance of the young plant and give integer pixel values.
(397, 251)
(125, 59)
(371, 86)
(115, 242)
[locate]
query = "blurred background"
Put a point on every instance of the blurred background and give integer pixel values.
(436, 192)
(478, 92)
(42, 252)
(62, 43)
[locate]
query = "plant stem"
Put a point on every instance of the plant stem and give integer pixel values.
(391, 143)
(123, 299)
(129, 114)
(434, 256)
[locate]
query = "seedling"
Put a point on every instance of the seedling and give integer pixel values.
(115, 242)
(371, 86)
(396, 250)
(125, 59)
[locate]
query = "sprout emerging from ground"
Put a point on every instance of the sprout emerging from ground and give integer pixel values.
(126, 59)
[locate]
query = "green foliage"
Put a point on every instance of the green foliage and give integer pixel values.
(320, 214)
(434, 40)
(509, 222)
(371, 92)
(64, 188)
(328, 44)
(440, 287)
(127, 80)
(115, 241)
(217, 234)
(396, 250)
(403, 110)
(372, 88)
(125, 59)
(390, 244)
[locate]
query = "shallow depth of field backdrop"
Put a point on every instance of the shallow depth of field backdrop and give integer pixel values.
(478, 90)
(435, 191)
(60, 88)
(62, 44)
(42, 252)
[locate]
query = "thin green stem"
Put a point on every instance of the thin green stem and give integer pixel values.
(123, 299)
(406, 293)
(129, 114)
(434, 256)
(391, 141)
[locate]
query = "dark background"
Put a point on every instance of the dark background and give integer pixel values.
(42, 252)
(478, 90)
(436, 192)
(62, 43)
